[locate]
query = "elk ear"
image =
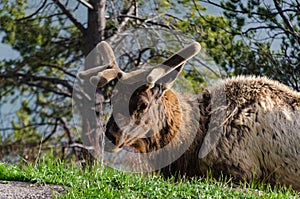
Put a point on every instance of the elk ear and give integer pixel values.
(167, 72)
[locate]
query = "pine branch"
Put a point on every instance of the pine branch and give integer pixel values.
(286, 21)
(70, 16)
(34, 13)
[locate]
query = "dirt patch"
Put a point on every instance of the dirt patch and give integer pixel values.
(15, 189)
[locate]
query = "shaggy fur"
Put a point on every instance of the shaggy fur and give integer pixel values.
(255, 120)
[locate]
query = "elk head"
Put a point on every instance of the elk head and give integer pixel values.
(137, 106)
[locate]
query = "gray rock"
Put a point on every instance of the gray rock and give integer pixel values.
(16, 190)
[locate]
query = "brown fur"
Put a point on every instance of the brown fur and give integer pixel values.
(260, 135)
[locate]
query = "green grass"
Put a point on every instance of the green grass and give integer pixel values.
(108, 183)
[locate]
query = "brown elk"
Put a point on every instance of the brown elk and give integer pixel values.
(249, 124)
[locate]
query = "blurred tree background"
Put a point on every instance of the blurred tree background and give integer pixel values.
(53, 38)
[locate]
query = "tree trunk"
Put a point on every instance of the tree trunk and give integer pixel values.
(96, 25)
(91, 129)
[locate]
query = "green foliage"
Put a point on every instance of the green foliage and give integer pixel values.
(42, 75)
(266, 39)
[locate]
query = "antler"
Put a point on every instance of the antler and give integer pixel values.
(173, 62)
(101, 75)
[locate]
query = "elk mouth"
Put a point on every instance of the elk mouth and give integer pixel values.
(117, 149)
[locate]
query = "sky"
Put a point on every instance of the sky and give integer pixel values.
(6, 52)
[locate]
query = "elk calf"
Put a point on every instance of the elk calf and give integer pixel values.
(243, 127)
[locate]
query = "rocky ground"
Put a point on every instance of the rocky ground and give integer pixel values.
(14, 189)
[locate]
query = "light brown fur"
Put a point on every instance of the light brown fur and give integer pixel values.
(260, 135)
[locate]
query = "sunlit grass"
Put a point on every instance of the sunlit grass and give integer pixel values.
(94, 182)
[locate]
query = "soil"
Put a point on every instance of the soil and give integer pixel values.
(15, 189)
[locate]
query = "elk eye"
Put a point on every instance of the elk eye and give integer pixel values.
(143, 106)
